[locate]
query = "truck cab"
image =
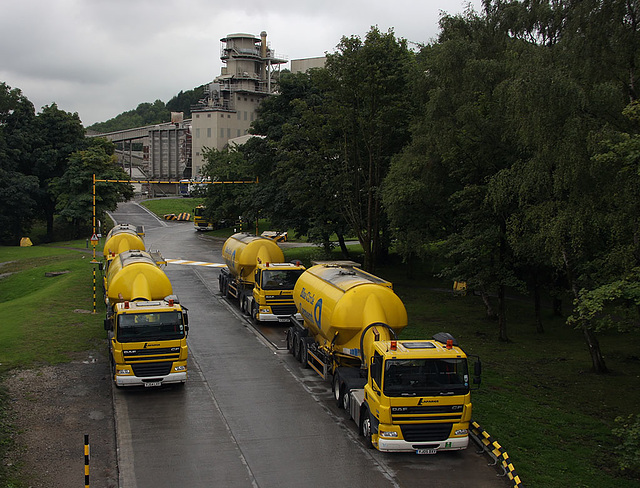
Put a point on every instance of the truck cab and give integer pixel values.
(416, 397)
(200, 221)
(147, 342)
(272, 297)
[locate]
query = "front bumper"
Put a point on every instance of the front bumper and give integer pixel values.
(400, 445)
(130, 380)
(269, 317)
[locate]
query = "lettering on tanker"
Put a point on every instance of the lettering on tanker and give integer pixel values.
(310, 298)
(307, 296)
(230, 255)
(317, 313)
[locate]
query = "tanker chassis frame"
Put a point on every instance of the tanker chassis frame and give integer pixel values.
(348, 385)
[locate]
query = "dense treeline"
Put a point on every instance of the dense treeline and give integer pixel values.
(509, 145)
(151, 113)
(46, 171)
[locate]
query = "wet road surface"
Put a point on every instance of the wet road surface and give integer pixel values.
(249, 415)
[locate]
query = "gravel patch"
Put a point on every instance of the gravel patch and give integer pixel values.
(52, 408)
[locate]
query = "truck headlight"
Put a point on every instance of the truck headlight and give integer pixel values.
(265, 310)
(180, 368)
(461, 432)
(388, 434)
(124, 371)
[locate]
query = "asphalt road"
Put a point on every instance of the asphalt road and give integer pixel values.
(249, 415)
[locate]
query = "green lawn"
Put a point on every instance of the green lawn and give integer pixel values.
(163, 206)
(45, 319)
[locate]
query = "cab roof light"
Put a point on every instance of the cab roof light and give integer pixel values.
(394, 345)
(126, 304)
(449, 343)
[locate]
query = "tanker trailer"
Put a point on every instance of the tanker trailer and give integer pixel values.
(147, 326)
(404, 395)
(257, 277)
(123, 237)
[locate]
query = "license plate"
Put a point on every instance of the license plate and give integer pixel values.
(283, 319)
(426, 451)
(152, 383)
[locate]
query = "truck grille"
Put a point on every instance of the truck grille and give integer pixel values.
(163, 354)
(145, 370)
(283, 309)
(435, 412)
(425, 432)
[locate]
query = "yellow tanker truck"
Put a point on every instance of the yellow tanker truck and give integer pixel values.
(123, 237)
(258, 278)
(200, 222)
(147, 325)
(404, 395)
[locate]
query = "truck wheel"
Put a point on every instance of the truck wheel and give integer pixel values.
(336, 390)
(222, 285)
(365, 428)
(254, 314)
(345, 398)
(290, 340)
(113, 371)
(304, 356)
(296, 348)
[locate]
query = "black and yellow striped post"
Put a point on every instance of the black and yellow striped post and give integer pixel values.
(86, 461)
(94, 289)
(497, 452)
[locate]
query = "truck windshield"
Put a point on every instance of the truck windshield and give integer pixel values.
(421, 377)
(153, 326)
(283, 279)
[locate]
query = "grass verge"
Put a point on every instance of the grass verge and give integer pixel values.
(46, 319)
(163, 206)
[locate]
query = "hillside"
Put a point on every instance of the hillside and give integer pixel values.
(151, 113)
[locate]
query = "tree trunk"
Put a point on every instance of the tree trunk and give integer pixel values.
(557, 307)
(49, 237)
(343, 246)
(597, 360)
(491, 314)
(502, 316)
(538, 308)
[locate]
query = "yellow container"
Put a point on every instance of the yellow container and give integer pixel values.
(242, 252)
(339, 302)
(135, 275)
(123, 237)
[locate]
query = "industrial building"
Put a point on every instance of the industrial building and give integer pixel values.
(175, 151)
(250, 74)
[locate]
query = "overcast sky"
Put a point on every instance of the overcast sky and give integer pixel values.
(100, 58)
